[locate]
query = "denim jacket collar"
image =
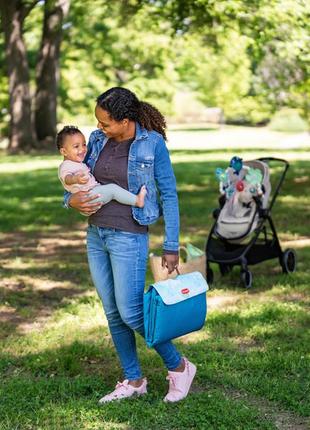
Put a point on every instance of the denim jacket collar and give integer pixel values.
(141, 133)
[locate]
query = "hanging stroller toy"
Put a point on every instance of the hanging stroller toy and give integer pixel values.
(240, 234)
(240, 185)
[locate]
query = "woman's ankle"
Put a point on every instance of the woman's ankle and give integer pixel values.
(136, 382)
(180, 367)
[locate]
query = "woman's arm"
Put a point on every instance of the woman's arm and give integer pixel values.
(166, 185)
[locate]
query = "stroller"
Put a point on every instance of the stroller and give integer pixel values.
(243, 232)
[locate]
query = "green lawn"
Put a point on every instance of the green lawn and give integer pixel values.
(56, 356)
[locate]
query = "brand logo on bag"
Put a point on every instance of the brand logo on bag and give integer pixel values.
(185, 291)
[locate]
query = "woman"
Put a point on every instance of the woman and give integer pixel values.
(129, 150)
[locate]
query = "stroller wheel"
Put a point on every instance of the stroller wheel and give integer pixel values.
(246, 278)
(225, 268)
(210, 276)
(289, 261)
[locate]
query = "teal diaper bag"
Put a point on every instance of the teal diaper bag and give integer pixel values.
(174, 307)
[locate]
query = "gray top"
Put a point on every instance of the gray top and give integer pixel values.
(111, 167)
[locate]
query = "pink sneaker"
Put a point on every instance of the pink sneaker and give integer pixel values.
(180, 382)
(124, 390)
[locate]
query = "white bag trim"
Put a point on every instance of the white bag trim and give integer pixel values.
(182, 287)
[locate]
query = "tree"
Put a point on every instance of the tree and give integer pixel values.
(13, 14)
(24, 131)
(47, 70)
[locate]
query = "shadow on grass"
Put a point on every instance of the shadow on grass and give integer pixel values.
(52, 250)
(75, 375)
(44, 269)
(34, 199)
(30, 309)
(72, 404)
(39, 274)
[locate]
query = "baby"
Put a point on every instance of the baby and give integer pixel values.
(75, 175)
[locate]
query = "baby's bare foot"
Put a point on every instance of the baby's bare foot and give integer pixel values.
(141, 197)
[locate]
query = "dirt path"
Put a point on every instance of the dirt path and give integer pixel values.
(283, 420)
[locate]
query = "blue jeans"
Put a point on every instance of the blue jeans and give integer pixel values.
(117, 262)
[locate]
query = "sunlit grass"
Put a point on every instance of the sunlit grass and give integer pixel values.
(30, 165)
(223, 157)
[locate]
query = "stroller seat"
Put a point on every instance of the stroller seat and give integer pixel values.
(238, 217)
(243, 233)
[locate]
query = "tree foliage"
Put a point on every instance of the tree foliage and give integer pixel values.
(275, 35)
(249, 57)
(136, 53)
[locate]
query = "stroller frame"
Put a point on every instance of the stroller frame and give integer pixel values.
(263, 245)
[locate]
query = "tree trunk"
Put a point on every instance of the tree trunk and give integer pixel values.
(47, 70)
(22, 135)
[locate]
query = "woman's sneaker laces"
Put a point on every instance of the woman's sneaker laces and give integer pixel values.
(124, 390)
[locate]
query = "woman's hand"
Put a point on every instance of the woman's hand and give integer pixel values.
(170, 261)
(82, 202)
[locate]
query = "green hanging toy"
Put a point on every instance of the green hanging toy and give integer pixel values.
(254, 177)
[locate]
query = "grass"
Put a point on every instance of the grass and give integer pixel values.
(56, 355)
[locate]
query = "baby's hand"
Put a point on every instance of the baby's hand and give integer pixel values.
(81, 178)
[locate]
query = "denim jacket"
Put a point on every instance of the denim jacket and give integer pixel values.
(148, 164)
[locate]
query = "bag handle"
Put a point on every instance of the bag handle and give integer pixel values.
(183, 248)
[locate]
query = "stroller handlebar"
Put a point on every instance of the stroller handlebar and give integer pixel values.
(274, 159)
(287, 165)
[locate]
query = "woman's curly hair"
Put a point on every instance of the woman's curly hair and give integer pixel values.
(122, 103)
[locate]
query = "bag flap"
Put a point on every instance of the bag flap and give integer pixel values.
(181, 288)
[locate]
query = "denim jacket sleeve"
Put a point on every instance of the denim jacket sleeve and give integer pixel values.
(67, 196)
(166, 184)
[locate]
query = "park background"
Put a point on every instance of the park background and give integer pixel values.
(232, 78)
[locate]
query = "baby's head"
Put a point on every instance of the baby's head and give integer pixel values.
(71, 143)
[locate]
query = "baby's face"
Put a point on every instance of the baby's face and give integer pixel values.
(74, 148)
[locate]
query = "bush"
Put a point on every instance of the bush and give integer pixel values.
(248, 111)
(288, 120)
